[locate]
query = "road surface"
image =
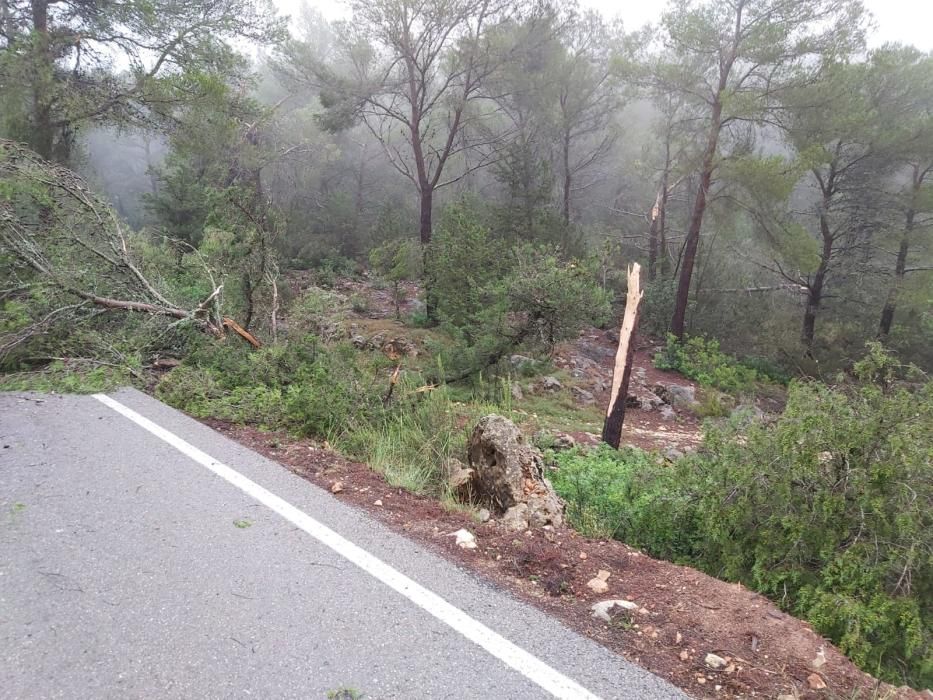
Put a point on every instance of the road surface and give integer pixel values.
(142, 555)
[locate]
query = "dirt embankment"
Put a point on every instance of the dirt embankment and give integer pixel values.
(680, 618)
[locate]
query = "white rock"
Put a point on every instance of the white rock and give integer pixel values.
(465, 539)
(602, 609)
(714, 661)
(820, 658)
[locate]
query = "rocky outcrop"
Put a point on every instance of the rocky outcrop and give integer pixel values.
(507, 476)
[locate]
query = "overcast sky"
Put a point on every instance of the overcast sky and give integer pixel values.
(907, 21)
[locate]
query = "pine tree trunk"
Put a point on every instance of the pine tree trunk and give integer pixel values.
(43, 139)
(900, 267)
(430, 301)
(692, 244)
(815, 289)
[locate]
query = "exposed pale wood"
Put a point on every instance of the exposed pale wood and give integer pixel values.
(622, 372)
(242, 332)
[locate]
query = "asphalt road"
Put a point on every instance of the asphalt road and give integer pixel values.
(130, 569)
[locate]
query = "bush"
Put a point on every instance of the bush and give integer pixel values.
(829, 511)
(702, 360)
(317, 312)
(553, 299)
(625, 495)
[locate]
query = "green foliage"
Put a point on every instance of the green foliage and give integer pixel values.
(317, 312)
(296, 387)
(72, 377)
(554, 298)
(627, 495)
(410, 447)
(828, 511)
(701, 359)
(464, 265)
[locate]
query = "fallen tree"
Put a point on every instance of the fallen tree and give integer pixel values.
(67, 258)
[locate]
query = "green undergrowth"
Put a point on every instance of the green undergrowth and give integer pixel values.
(337, 393)
(701, 359)
(828, 511)
(72, 377)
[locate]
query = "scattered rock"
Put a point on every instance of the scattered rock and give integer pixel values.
(747, 413)
(465, 539)
(508, 473)
(684, 655)
(667, 413)
(337, 487)
(648, 401)
(672, 454)
(598, 584)
(517, 392)
(583, 555)
(714, 661)
(787, 696)
(460, 479)
(377, 502)
(677, 395)
(815, 681)
(563, 441)
(358, 341)
(483, 515)
(551, 384)
(519, 361)
(678, 638)
(583, 396)
(603, 609)
(516, 518)
(819, 659)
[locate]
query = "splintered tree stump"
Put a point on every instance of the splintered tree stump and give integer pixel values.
(625, 353)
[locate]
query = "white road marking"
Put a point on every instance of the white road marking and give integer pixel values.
(532, 668)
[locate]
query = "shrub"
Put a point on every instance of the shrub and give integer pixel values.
(317, 312)
(625, 495)
(829, 511)
(553, 299)
(702, 360)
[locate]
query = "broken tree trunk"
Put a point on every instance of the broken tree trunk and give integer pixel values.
(622, 373)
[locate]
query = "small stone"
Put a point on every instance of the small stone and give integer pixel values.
(819, 659)
(701, 680)
(551, 384)
(465, 539)
(337, 487)
(684, 655)
(563, 441)
(815, 681)
(714, 661)
(786, 696)
(678, 638)
(603, 609)
(483, 515)
(598, 584)
(377, 502)
(517, 392)
(583, 555)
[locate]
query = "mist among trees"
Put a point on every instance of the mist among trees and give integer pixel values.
(172, 174)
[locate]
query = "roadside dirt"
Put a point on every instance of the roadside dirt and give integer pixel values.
(682, 615)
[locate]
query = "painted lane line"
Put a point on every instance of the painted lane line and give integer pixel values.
(532, 668)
